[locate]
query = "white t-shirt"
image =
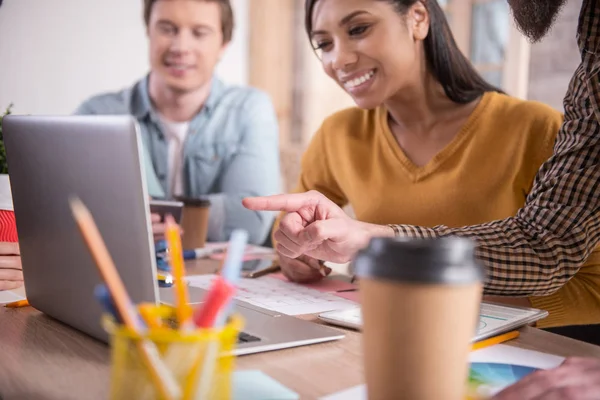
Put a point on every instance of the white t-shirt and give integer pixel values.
(175, 133)
(5, 194)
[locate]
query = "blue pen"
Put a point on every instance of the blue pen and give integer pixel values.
(189, 254)
(160, 247)
(163, 265)
(162, 253)
(103, 296)
(202, 253)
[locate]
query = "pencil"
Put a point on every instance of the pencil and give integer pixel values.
(322, 268)
(182, 308)
(495, 340)
(264, 271)
(17, 304)
(148, 316)
(161, 377)
(222, 263)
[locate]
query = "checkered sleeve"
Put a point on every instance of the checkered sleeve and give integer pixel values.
(539, 249)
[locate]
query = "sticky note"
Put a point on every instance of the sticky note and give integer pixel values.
(255, 385)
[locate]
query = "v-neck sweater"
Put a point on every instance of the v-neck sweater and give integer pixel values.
(483, 174)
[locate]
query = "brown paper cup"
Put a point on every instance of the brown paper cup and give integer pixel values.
(194, 222)
(420, 305)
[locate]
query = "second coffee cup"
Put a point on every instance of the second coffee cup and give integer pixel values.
(194, 222)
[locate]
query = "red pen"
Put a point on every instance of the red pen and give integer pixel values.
(219, 294)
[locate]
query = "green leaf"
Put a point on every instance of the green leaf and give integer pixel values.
(3, 163)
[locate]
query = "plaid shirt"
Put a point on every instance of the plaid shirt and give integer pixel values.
(544, 245)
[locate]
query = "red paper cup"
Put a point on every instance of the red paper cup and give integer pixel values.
(8, 226)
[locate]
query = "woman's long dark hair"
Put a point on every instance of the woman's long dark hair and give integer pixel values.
(461, 82)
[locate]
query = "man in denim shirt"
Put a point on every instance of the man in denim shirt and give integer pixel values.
(201, 137)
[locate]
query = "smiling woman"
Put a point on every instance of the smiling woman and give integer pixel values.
(363, 30)
(430, 144)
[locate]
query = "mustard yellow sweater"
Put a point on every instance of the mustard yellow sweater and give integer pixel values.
(484, 174)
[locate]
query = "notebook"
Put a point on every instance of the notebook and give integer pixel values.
(276, 293)
(494, 319)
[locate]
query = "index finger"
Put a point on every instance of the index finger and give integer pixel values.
(280, 202)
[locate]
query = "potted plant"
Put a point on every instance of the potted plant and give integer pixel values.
(8, 229)
(3, 163)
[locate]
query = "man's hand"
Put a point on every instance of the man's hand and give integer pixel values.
(11, 273)
(303, 269)
(575, 379)
(158, 227)
(316, 226)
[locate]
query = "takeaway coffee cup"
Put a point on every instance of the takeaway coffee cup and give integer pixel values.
(420, 305)
(194, 222)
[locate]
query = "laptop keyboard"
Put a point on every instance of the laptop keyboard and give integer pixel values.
(244, 337)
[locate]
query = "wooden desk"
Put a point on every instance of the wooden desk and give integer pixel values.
(41, 358)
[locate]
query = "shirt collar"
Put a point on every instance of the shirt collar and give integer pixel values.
(142, 106)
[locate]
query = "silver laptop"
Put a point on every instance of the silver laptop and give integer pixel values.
(98, 159)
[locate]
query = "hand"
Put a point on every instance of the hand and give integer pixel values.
(11, 273)
(576, 378)
(316, 226)
(303, 269)
(158, 227)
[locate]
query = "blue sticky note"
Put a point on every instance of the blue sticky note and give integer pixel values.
(255, 385)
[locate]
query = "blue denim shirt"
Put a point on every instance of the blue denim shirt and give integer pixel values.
(231, 152)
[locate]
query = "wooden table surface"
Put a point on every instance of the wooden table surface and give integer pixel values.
(41, 358)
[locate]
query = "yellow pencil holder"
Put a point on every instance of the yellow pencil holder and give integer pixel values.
(200, 361)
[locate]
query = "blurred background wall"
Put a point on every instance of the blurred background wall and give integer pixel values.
(56, 53)
(555, 58)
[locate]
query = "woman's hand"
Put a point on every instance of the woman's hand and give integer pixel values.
(303, 269)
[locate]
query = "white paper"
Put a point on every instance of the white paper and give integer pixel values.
(505, 354)
(500, 353)
(280, 296)
(6, 296)
(354, 393)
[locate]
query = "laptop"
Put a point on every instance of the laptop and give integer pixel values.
(99, 159)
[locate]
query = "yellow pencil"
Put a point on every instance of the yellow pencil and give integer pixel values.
(162, 378)
(182, 308)
(17, 304)
(495, 340)
(149, 317)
